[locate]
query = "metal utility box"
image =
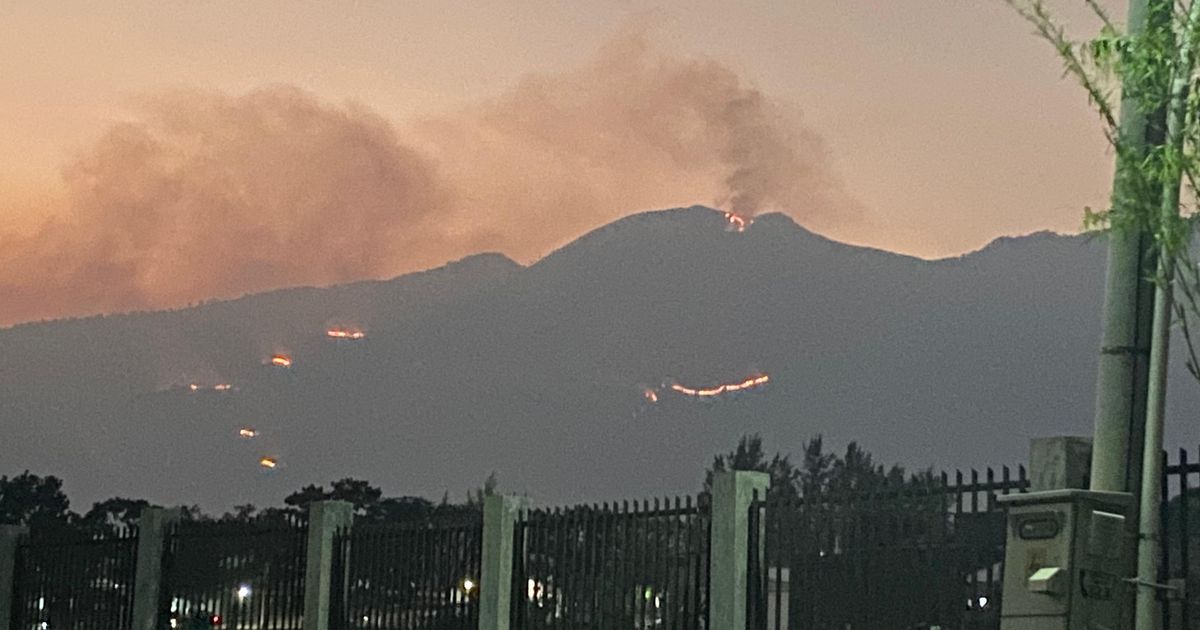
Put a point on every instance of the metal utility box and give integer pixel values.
(1066, 561)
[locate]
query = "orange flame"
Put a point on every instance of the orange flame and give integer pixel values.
(268, 462)
(724, 388)
(193, 387)
(281, 360)
(650, 395)
(737, 222)
(223, 387)
(345, 333)
(247, 432)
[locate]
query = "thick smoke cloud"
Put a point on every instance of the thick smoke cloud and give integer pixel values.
(204, 194)
(211, 195)
(632, 130)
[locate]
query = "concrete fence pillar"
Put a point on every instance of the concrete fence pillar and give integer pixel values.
(10, 537)
(500, 514)
(325, 518)
(147, 583)
(1059, 462)
(732, 493)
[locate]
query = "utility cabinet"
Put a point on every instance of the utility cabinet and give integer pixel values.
(1066, 563)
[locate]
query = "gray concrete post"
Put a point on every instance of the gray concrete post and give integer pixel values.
(10, 536)
(325, 518)
(1059, 462)
(147, 582)
(500, 515)
(732, 492)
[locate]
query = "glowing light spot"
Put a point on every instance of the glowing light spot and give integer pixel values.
(269, 463)
(193, 387)
(243, 592)
(281, 360)
(247, 432)
(468, 585)
(650, 395)
(737, 222)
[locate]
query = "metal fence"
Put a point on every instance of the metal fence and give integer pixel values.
(74, 580)
(238, 575)
(410, 576)
(1181, 536)
(925, 554)
(624, 567)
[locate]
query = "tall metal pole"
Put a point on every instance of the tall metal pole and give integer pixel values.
(1123, 372)
(1149, 614)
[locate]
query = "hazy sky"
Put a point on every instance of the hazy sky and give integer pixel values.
(156, 137)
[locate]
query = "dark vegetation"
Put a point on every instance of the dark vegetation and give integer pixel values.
(40, 502)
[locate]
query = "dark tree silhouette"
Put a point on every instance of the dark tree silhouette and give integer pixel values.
(302, 497)
(28, 499)
(750, 455)
(398, 509)
(113, 515)
(820, 473)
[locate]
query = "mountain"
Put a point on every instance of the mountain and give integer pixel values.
(539, 373)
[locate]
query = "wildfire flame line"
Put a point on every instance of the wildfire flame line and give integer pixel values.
(281, 360)
(724, 388)
(219, 387)
(268, 462)
(345, 333)
(737, 222)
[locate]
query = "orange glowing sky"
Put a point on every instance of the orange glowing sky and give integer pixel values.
(927, 127)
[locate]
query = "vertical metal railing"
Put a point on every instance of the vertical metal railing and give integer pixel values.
(422, 575)
(236, 575)
(70, 579)
(1180, 564)
(620, 566)
(923, 553)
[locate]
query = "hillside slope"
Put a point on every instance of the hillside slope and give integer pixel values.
(539, 373)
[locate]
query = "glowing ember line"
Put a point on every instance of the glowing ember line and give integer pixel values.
(247, 432)
(650, 395)
(219, 387)
(268, 462)
(345, 333)
(725, 388)
(281, 360)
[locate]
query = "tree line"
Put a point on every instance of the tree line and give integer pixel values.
(40, 502)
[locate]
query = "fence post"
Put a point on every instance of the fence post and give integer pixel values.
(732, 493)
(325, 518)
(10, 537)
(147, 581)
(500, 513)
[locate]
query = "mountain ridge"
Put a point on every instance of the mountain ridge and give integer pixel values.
(539, 372)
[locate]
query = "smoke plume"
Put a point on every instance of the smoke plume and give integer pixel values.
(204, 194)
